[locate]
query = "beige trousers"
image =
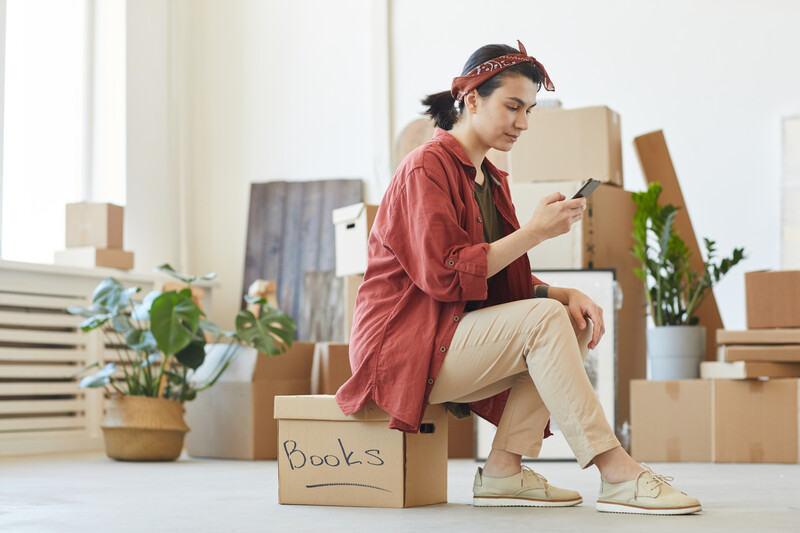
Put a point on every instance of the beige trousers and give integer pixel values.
(534, 348)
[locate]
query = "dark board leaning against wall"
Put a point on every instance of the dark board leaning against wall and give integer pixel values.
(290, 232)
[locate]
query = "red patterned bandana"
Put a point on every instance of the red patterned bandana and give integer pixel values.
(475, 77)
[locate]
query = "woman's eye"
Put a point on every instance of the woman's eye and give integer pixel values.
(512, 108)
(528, 112)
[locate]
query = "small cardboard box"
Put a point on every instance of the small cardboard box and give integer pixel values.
(352, 226)
(601, 240)
(775, 353)
(772, 299)
(748, 370)
(569, 144)
(351, 285)
(327, 458)
(94, 224)
(90, 257)
(330, 368)
(233, 419)
(720, 420)
(671, 420)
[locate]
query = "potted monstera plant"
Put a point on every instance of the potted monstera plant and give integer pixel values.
(676, 346)
(160, 343)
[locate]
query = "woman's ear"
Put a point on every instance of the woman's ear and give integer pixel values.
(471, 101)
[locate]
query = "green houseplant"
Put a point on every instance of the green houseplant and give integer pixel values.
(674, 290)
(160, 344)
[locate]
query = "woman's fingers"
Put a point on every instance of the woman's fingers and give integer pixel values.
(595, 314)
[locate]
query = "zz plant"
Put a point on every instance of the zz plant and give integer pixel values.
(674, 290)
(162, 341)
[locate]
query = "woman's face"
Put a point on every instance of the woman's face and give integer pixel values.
(500, 118)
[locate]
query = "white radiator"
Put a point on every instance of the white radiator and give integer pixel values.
(42, 409)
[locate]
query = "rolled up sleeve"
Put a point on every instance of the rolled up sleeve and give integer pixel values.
(427, 239)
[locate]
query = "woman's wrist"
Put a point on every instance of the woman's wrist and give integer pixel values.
(559, 293)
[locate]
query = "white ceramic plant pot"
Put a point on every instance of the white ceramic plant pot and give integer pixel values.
(675, 352)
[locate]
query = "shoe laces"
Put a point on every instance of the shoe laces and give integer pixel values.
(655, 479)
(525, 468)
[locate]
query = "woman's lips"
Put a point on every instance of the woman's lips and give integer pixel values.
(512, 138)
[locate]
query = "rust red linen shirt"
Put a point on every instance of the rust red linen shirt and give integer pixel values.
(426, 259)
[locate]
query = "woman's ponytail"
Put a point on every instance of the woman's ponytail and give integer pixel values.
(441, 108)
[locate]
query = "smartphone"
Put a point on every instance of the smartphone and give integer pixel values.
(587, 188)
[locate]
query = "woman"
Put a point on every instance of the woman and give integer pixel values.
(449, 312)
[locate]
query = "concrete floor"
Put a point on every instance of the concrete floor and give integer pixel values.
(89, 492)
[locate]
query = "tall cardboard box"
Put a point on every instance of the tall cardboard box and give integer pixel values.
(773, 299)
(94, 224)
(233, 419)
(569, 144)
(672, 420)
(352, 225)
(601, 240)
(327, 458)
(330, 368)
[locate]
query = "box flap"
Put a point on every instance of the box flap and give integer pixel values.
(324, 407)
(347, 214)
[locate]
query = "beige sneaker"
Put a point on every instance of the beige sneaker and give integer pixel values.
(649, 493)
(526, 489)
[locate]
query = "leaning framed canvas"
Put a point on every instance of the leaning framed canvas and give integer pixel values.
(600, 286)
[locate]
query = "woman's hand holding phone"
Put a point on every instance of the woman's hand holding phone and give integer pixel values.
(555, 215)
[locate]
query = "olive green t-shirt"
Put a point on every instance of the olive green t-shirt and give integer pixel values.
(492, 223)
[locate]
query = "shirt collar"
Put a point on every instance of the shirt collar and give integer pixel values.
(454, 147)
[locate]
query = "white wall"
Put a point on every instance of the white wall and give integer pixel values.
(274, 91)
(152, 221)
(716, 76)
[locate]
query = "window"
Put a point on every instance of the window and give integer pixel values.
(43, 140)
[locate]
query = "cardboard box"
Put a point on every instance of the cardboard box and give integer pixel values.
(330, 368)
(758, 336)
(789, 353)
(772, 299)
(352, 226)
(671, 420)
(601, 240)
(90, 257)
(720, 420)
(94, 224)
(233, 419)
(327, 458)
(756, 421)
(351, 285)
(748, 370)
(461, 438)
(569, 144)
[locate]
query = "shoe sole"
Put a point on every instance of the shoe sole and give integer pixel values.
(607, 507)
(501, 501)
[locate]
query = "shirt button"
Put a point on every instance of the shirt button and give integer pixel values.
(455, 318)
(442, 349)
(430, 381)
(451, 262)
(480, 219)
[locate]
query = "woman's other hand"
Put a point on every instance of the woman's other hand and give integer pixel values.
(582, 307)
(555, 215)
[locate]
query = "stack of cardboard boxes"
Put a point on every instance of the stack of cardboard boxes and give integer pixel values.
(746, 407)
(94, 237)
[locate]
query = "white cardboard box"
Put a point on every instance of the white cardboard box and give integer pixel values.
(352, 226)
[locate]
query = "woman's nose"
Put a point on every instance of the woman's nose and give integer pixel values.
(522, 121)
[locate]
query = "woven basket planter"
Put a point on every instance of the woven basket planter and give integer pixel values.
(138, 428)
